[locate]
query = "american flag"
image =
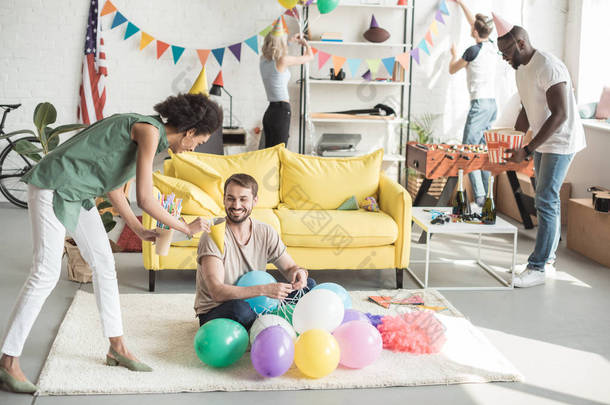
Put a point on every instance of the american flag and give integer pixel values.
(93, 86)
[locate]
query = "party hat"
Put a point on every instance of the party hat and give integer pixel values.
(402, 3)
(278, 28)
(502, 26)
(201, 84)
(218, 81)
(367, 76)
(374, 22)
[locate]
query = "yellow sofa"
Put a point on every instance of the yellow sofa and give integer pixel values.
(298, 196)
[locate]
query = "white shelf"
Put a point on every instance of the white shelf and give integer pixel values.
(393, 158)
(355, 121)
(347, 43)
(357, 82)
(388, 6)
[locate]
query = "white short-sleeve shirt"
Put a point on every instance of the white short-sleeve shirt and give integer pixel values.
(533, 80)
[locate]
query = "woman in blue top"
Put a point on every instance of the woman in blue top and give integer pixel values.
(274, 64)
(61, 189)
(480, 63)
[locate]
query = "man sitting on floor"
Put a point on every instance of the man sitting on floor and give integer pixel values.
(248, 245)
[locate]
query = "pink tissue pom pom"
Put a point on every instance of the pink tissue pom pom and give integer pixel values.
(417, 332)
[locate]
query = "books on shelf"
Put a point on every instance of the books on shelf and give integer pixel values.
(331, 37)
(398, 75)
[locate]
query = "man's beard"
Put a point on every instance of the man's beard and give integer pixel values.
(240, 217)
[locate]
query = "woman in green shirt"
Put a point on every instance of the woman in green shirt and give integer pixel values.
(61, 189)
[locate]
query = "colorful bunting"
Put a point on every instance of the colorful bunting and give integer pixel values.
(131, 30)
(322, 59)
(266, 30)
(145, 40)
(108, 8)
(293, 12)
(177, 52)
(373, 66)
(203, 55)
(403, 59)
(443, 8)
(314, 50)
(236, 50)
(118, 20)
(429, 38)
(354, 64)
(338, 62)
(434, 27)
(219, 54)
(439, 17)
(252, 42)
(161, 48)
(422, 45)
(389, 64)
(415, 55)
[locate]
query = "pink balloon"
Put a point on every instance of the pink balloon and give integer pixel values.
(360, 343)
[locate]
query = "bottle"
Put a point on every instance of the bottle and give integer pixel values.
(488, 214)
(461, 205)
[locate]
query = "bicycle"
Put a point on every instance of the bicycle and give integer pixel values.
(13, 165)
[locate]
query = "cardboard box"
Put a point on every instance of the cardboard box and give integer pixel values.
(505, 198)
(589, 231)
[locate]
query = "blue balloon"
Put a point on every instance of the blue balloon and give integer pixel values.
(258, 304)
(340, 291)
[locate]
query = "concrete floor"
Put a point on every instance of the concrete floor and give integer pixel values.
(557, 335)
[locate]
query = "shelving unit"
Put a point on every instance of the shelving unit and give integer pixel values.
(323, 92)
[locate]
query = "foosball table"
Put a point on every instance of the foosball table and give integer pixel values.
(442, 160)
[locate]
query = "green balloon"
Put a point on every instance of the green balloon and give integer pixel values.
(221, 342)
(286, 312)
(326, 6)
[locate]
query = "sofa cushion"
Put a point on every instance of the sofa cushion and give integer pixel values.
(210, 171)
(313, 182)
(265, 215)
(332, 228)
(194, 200)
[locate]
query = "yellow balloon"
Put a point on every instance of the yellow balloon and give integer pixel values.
(316, 353)
(288, 3)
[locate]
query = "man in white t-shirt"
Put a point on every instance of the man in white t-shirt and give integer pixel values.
(549, 109)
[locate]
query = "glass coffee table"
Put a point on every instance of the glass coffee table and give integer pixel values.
(422, 218)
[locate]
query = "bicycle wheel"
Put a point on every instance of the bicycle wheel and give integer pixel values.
(12, 167)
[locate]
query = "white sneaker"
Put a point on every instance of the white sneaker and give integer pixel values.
(549, 269)
(529, 278)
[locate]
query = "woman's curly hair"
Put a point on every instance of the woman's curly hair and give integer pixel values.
(187, 111)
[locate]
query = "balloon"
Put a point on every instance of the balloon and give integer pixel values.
(360, 343)
(326, 6)
(304, 2)
(340, 291)
(258, 304)
(354, 315)
(220, 342)
(265, 321)
(316, 353)
(272, 351)
(318, 309)
(285, 311)
(287, 3)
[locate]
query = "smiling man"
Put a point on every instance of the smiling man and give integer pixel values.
(248, 245)
(549, 109)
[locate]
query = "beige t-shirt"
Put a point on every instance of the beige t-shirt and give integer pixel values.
(264, 246)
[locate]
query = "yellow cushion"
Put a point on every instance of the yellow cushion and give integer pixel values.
(168, 168)
(194, 200)
(213, 170)
(265, 215)
(312, 182)
(338, 229)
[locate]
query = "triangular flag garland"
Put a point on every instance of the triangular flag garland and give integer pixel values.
(252, 42)
(177, 52)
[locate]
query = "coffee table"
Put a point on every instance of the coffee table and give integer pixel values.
(422, 218)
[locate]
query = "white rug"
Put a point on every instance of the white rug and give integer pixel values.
(159, 329)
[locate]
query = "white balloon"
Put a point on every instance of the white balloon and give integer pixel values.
(268, 320)
(318, 309)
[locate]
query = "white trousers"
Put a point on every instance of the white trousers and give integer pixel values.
(48, 235)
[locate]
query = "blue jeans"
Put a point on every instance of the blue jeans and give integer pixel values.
(482, 113)
(240, 311)
(550, 169)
